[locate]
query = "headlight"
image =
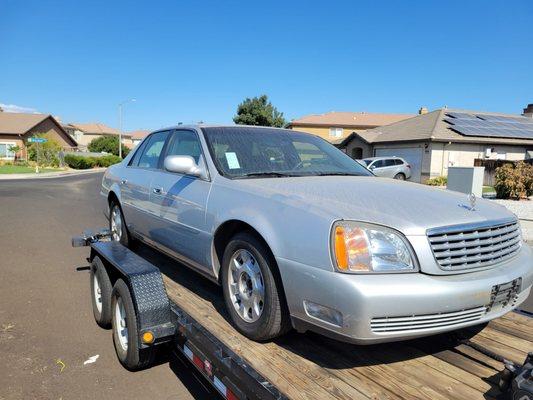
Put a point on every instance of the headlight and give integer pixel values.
(362, 247)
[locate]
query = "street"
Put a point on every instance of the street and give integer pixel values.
(47, 331)
(51, 346)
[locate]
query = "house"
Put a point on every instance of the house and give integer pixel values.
(433, 141)
(336, 126)
(85, 133)
(137, 136)
(16, 128)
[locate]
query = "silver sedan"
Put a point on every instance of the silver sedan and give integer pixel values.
(301, 236)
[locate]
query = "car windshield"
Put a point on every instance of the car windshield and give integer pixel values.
(241, 152)
(367, 162)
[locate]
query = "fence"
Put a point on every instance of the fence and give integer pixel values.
(490, 168)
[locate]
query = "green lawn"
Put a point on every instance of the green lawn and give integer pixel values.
(17, 169)
(488, 189)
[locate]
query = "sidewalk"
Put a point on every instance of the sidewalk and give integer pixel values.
(45, 175)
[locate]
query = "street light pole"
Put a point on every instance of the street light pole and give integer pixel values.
(120, 125)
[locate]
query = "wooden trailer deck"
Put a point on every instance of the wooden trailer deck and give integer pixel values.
(309, 366)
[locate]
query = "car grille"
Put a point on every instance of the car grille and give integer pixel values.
(473, 246)
(428, 321)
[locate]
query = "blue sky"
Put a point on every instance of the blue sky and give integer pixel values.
(188, 61)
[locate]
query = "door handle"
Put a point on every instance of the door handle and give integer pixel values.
(157, 190)
(123, 181)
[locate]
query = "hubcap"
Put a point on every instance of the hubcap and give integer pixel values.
(97, 293)
(121, 325)
(246, 286)
(116, 224)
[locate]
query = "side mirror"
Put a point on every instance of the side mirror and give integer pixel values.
(372, 168)
(182, 165)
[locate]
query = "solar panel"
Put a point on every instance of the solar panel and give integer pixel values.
(482, 125)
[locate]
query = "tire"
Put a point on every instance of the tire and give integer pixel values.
(400, 177)
(128, 350)
(122, 236)
(101, 293)
(273, 319)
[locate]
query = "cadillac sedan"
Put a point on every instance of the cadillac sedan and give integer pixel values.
(301, 236)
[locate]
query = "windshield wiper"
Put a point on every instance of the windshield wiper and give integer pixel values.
(337, 173)
(267, 174)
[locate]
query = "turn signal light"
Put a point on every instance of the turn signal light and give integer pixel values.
(148, 337)
(340, 248)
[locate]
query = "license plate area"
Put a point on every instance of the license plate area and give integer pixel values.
(504, 294)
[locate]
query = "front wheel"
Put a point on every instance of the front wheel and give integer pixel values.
(117, 224)
(252, 289)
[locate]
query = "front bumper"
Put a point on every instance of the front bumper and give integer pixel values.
(446, 302)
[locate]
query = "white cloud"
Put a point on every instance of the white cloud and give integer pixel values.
(13, 108)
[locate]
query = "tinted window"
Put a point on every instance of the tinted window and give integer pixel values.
(151, 152)
(379, 164)
(185, 143)
(241, 151)
(367, 162)
(388, 163)
(398, 162)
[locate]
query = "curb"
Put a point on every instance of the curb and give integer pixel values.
(49, 175)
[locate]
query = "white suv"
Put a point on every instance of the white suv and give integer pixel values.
(389, 167)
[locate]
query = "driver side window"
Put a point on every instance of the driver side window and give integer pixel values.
(151, 152)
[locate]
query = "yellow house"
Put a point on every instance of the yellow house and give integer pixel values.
(336, 126)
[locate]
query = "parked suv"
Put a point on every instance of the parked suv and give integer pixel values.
(389, 167)
(300, 235)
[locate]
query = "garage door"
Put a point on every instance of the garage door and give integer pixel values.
(413, 155)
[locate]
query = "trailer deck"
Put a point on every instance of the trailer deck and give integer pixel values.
(309, 366)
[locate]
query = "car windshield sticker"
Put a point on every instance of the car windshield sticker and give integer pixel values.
(233, 162)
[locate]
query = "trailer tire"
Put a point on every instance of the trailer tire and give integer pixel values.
(273, 320)
(101, 293)
(125, 330)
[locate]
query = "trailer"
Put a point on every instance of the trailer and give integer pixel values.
(173, 308)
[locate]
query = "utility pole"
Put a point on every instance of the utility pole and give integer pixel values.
(120, 125)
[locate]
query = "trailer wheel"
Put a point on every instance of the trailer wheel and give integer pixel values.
(101, 293)
(252, 289)
(125, 332)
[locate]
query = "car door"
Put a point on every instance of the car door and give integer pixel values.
(179, 203)
(377, 167)
(135, 183)
(389, 168)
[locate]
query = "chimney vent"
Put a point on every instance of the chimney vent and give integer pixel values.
(423, 110)
(528, 111)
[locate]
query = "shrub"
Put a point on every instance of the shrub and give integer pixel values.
(47, 151)
(107, 144)
(79, 162)
(107, 161)
(437, 181)
(514, 181)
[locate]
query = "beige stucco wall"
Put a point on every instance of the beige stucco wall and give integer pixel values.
(357, 142)
(464, 154)
(323, 132)
(51, 131)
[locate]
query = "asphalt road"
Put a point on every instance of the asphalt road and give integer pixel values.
(47, 331)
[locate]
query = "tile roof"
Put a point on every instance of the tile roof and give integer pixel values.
(19, 123)
(96, 128)
(350, 119)
(140, 134)
(432, 127)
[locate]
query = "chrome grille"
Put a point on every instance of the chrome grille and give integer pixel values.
(428, 321)
(473, 246)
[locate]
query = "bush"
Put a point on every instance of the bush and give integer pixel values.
(107, 144)
(83, 162)
(514, 181)
(437, 181)
(79, 162)
(47, 151)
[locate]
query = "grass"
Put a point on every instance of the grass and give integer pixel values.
(488, 189)
(19, 169)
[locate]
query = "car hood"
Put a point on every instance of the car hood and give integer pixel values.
(408, 207)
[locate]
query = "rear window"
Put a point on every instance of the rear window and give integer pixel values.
(398, 162)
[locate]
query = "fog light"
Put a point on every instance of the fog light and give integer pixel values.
(148, 337)
(323, 313)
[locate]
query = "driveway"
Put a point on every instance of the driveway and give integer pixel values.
(47, 333)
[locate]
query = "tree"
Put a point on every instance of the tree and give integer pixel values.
(48, 151)
(108, 144)
(15, 149)
(258, 111)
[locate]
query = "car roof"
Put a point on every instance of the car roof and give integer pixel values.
(382, 158)
(199, 126)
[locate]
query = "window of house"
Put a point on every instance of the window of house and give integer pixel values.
(5, 150)
(335, 132)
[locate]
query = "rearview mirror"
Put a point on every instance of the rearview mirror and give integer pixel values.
(182, 165)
